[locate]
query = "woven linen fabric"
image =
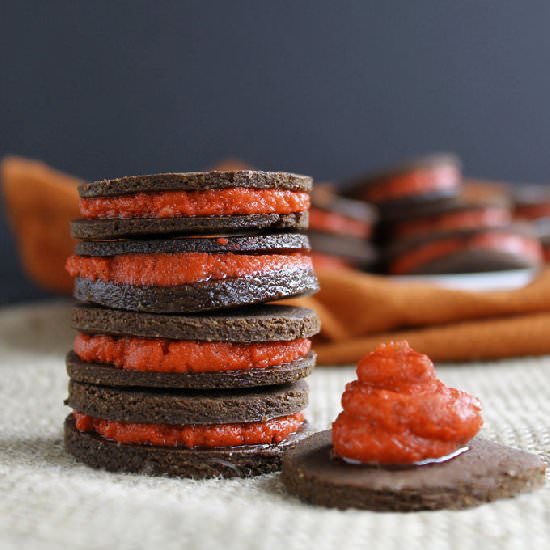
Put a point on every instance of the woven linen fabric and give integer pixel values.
(48, 500)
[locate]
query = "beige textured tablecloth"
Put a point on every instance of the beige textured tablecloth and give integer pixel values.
(47, 500)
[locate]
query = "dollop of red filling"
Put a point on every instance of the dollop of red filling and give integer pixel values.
(399, 412)
(486, 217)
(419, 180)
(333, 222)
(504, 242)
(163, 355)
(181, 268)
(193, 435)
(210, 202)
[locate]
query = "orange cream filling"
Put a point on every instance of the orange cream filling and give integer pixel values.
(194, 435)
(332, 222)
(420, 180)
(210, 202)
(181, 268)
(505, 242)
(164, 355)
(487, 217)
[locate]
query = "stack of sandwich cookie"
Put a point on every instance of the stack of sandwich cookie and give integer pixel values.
(340, 231)
(179, 367)
(429, 225)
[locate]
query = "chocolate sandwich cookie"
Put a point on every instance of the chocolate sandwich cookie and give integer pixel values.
(485, 472)
(450, 215)
(434, 177)
(192, 274)
(466, 251)
(531, 202)
(258, 346)
(192, 434)
(339, 230)
(192, 203)
(197, 463)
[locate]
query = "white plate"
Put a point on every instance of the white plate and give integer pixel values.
(494, 280)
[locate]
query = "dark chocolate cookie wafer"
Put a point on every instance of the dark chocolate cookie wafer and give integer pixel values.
(261, 323)
(187, 407)
(99, 229)
(209, 245)
(207, 296)
(196, 181)
(198, 463)
(486, 472)
(109, 375)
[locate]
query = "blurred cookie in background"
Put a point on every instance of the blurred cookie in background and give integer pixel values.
(415, 182)
(531, 202)
(473, 250)
(340, 230)
(459, 213)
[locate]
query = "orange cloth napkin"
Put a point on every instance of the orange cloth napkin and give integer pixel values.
(40, 203)
(358, 311)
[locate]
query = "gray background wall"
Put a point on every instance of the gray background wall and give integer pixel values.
(327, 88)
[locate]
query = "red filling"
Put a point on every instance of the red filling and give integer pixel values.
(332, 222)
(193, 435)
(399, 412)
(503, 242)
(163, 355)
(420, 180)
(210, 202)
(181, 268)
(487, 217)
(532, 211)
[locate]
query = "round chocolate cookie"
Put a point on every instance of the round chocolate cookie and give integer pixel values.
(195, 297)
(260, 323)
(486, 472)
(209, 245)
(99, 229)
(197, 463)
(195, 181)
(109, 375)
(165, 406)
(429, 178)
(465, 251)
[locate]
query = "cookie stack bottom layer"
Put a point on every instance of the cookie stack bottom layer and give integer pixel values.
(210, 395)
